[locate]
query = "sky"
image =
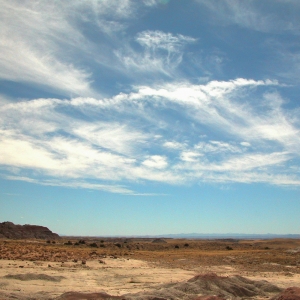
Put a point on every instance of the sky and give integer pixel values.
(147, 117)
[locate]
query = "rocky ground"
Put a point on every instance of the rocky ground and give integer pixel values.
(149, 269)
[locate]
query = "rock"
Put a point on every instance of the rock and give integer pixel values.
(291, 293)
(211, 287)
(11, 231)
(209, 298)
(86, 296)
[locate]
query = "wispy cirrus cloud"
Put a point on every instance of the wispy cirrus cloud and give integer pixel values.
(162, 53)
(275, 22)
(256, 15)
(107, 142)
(45, 43)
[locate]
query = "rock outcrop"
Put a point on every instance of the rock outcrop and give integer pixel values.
(291, 293)
(9, 230)
(201, 287)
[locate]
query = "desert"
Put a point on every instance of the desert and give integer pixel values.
(149, 268)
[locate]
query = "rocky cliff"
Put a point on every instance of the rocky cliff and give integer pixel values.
(11, 231)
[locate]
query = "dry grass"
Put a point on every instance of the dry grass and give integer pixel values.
(255, 255)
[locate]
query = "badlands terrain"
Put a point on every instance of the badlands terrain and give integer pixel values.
(111, 268)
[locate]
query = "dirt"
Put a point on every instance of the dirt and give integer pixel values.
(140, 269)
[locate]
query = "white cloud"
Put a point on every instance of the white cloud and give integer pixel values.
(154, 40)
(156, 161)
(163, 52)
(217, 146)
(114, 136)
(132, 137)
(43, 43)
(173, 145)
(32, 36)
(190, 156)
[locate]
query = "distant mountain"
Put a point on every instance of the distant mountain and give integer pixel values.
(229, 236)
(212, 236)
(11, 231)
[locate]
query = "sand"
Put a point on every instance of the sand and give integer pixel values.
(142, 271)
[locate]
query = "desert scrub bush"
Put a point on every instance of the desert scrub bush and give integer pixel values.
(94, 245)
(176, 247)
(228, 248)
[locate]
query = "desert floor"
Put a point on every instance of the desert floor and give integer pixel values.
(35, 269)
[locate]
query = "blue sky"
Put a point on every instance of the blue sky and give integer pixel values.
(122, 117)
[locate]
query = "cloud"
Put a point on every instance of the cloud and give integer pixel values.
(169, 133)
(163, 52)
(155, 2)
(190, 156)
(173, 145)
(255, 15)
(45, 44)
(33, 34)
(156, 161)
(154, 40)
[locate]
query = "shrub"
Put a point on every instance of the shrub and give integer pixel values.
(94, 245)
(228, 248)
(176, 247)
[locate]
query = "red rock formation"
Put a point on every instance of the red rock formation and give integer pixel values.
(291, 293)
(11, 231)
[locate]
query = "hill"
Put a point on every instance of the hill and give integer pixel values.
(11, 231)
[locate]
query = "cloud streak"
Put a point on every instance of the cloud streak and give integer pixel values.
(90, 142)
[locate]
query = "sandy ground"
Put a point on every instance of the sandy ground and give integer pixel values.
(121, 272)
(116, 277)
